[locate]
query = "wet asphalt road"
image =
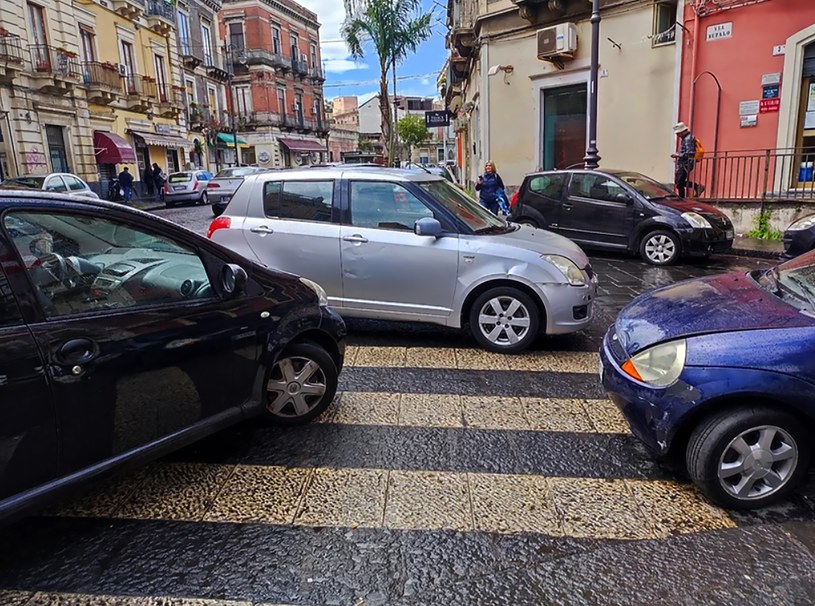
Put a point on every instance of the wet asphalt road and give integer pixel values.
(442, 476)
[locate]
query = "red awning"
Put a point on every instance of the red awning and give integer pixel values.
(110, 148)
(303, 145)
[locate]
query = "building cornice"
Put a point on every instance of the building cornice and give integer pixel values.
(309, 20)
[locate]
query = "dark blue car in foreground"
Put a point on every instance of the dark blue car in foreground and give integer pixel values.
(720, 372)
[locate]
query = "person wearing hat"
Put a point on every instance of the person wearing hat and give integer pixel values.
(685, 160)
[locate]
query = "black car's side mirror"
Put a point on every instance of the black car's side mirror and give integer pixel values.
(427, 226)
(233, 279)
(624, 197)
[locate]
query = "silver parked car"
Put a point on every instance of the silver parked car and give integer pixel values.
(404, 245)
(187, 186)
(225, 183)
(65, 183)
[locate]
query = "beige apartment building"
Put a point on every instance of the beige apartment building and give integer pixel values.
(517, 79)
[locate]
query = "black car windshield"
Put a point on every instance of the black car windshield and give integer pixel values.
(645, 186)
(24, 182)
(475, 216)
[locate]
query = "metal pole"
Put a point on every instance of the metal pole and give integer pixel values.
(11, 140)
(395, 133)
(233, 106)
(592, 158)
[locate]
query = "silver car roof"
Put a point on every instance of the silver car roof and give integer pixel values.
(359, 174)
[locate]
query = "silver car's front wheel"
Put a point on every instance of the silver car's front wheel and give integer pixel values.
(504, 319)
(301, 384)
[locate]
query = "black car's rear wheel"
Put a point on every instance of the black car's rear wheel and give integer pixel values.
(300, 385)
(748, 457)
(504, 319)
(527, 221)
(660, 247)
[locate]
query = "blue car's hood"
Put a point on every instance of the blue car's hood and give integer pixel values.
(707, 305)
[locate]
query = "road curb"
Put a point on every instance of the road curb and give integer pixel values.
(758, 254)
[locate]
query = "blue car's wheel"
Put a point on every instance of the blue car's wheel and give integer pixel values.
(748, 457)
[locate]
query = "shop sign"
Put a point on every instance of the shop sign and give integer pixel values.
(748, 121)
(720, 31)
(771, 92)
(163, 129)
(768, 106)
(748, 108)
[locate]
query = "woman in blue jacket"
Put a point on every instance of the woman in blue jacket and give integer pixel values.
(488, 185)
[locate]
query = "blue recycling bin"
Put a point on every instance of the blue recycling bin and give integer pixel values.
(806, 172)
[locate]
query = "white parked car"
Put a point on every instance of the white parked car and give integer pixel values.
(404, 245)
(64, 183)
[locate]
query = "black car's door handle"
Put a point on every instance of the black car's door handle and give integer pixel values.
(77, 351)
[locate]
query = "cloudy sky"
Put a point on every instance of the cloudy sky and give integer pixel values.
(344, 76)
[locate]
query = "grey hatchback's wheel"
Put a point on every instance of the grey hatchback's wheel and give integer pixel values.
(748, 457)
(301, 384)
(660, 247)
(205, 198)
(504, 319)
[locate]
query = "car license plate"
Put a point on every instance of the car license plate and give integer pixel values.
(729, 234)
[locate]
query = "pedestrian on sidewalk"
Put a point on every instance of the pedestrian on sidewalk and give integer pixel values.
(158, 180)
(147, 182)
(685, 161)
(488, 185)
(126, 184)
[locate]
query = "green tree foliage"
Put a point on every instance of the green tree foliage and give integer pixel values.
(412, 131)
(394, 29)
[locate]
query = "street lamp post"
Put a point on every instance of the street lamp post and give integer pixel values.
(592, 158)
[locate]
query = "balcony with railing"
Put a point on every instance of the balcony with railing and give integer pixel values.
(56, 70)
(462, 28)
(161, 16)
(141, 92)
(102, 80)
(129, 9)
(263, 119)
(299, 68)
(262, 56)
(766, 176)
(316, 74)
(11, 57)
(215, 66)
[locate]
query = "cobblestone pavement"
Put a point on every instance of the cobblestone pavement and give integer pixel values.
(442, 475)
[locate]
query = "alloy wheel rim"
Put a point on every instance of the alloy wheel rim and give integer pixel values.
(758, 462)
(295, 387)
(660, 248)
(504, 320)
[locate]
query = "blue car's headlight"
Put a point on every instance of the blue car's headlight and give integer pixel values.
(658, 366)
(802, 224)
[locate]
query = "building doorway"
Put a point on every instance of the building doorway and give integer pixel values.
(563, 115)
(56, 149)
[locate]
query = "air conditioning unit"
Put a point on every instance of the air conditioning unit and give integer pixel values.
(558, 41)
(122, 69)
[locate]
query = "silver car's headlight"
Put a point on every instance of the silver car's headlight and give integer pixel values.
(567, 267)
(696, 220)
(802, 224)
(658, 366)
(323, 298)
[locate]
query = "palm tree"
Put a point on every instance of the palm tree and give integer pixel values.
(395, 29)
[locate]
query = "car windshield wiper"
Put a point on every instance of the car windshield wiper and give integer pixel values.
(771, 276)
(807, 294)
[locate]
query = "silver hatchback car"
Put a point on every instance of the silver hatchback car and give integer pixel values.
(402, 245)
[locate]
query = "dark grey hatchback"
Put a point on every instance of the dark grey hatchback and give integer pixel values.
(621, 210)
(124, 336)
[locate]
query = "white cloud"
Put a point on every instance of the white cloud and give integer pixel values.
(331, 15)
(425, 81)
(340, 66)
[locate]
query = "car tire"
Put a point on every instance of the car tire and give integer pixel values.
(660, 247)
(301, 365)
(716, 461)
(527, 221)
(204, 199)
(504, 319)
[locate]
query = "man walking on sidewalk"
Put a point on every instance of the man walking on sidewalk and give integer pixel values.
(685, 160)
(126, 183)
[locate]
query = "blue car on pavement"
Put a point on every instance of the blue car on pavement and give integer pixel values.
(719, 372)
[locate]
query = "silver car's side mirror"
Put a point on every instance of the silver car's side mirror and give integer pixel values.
(427, 226)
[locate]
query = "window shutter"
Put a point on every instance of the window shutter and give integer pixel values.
(809, 61)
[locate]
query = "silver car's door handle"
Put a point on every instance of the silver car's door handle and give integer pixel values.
(356, 238)
(262, 229)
